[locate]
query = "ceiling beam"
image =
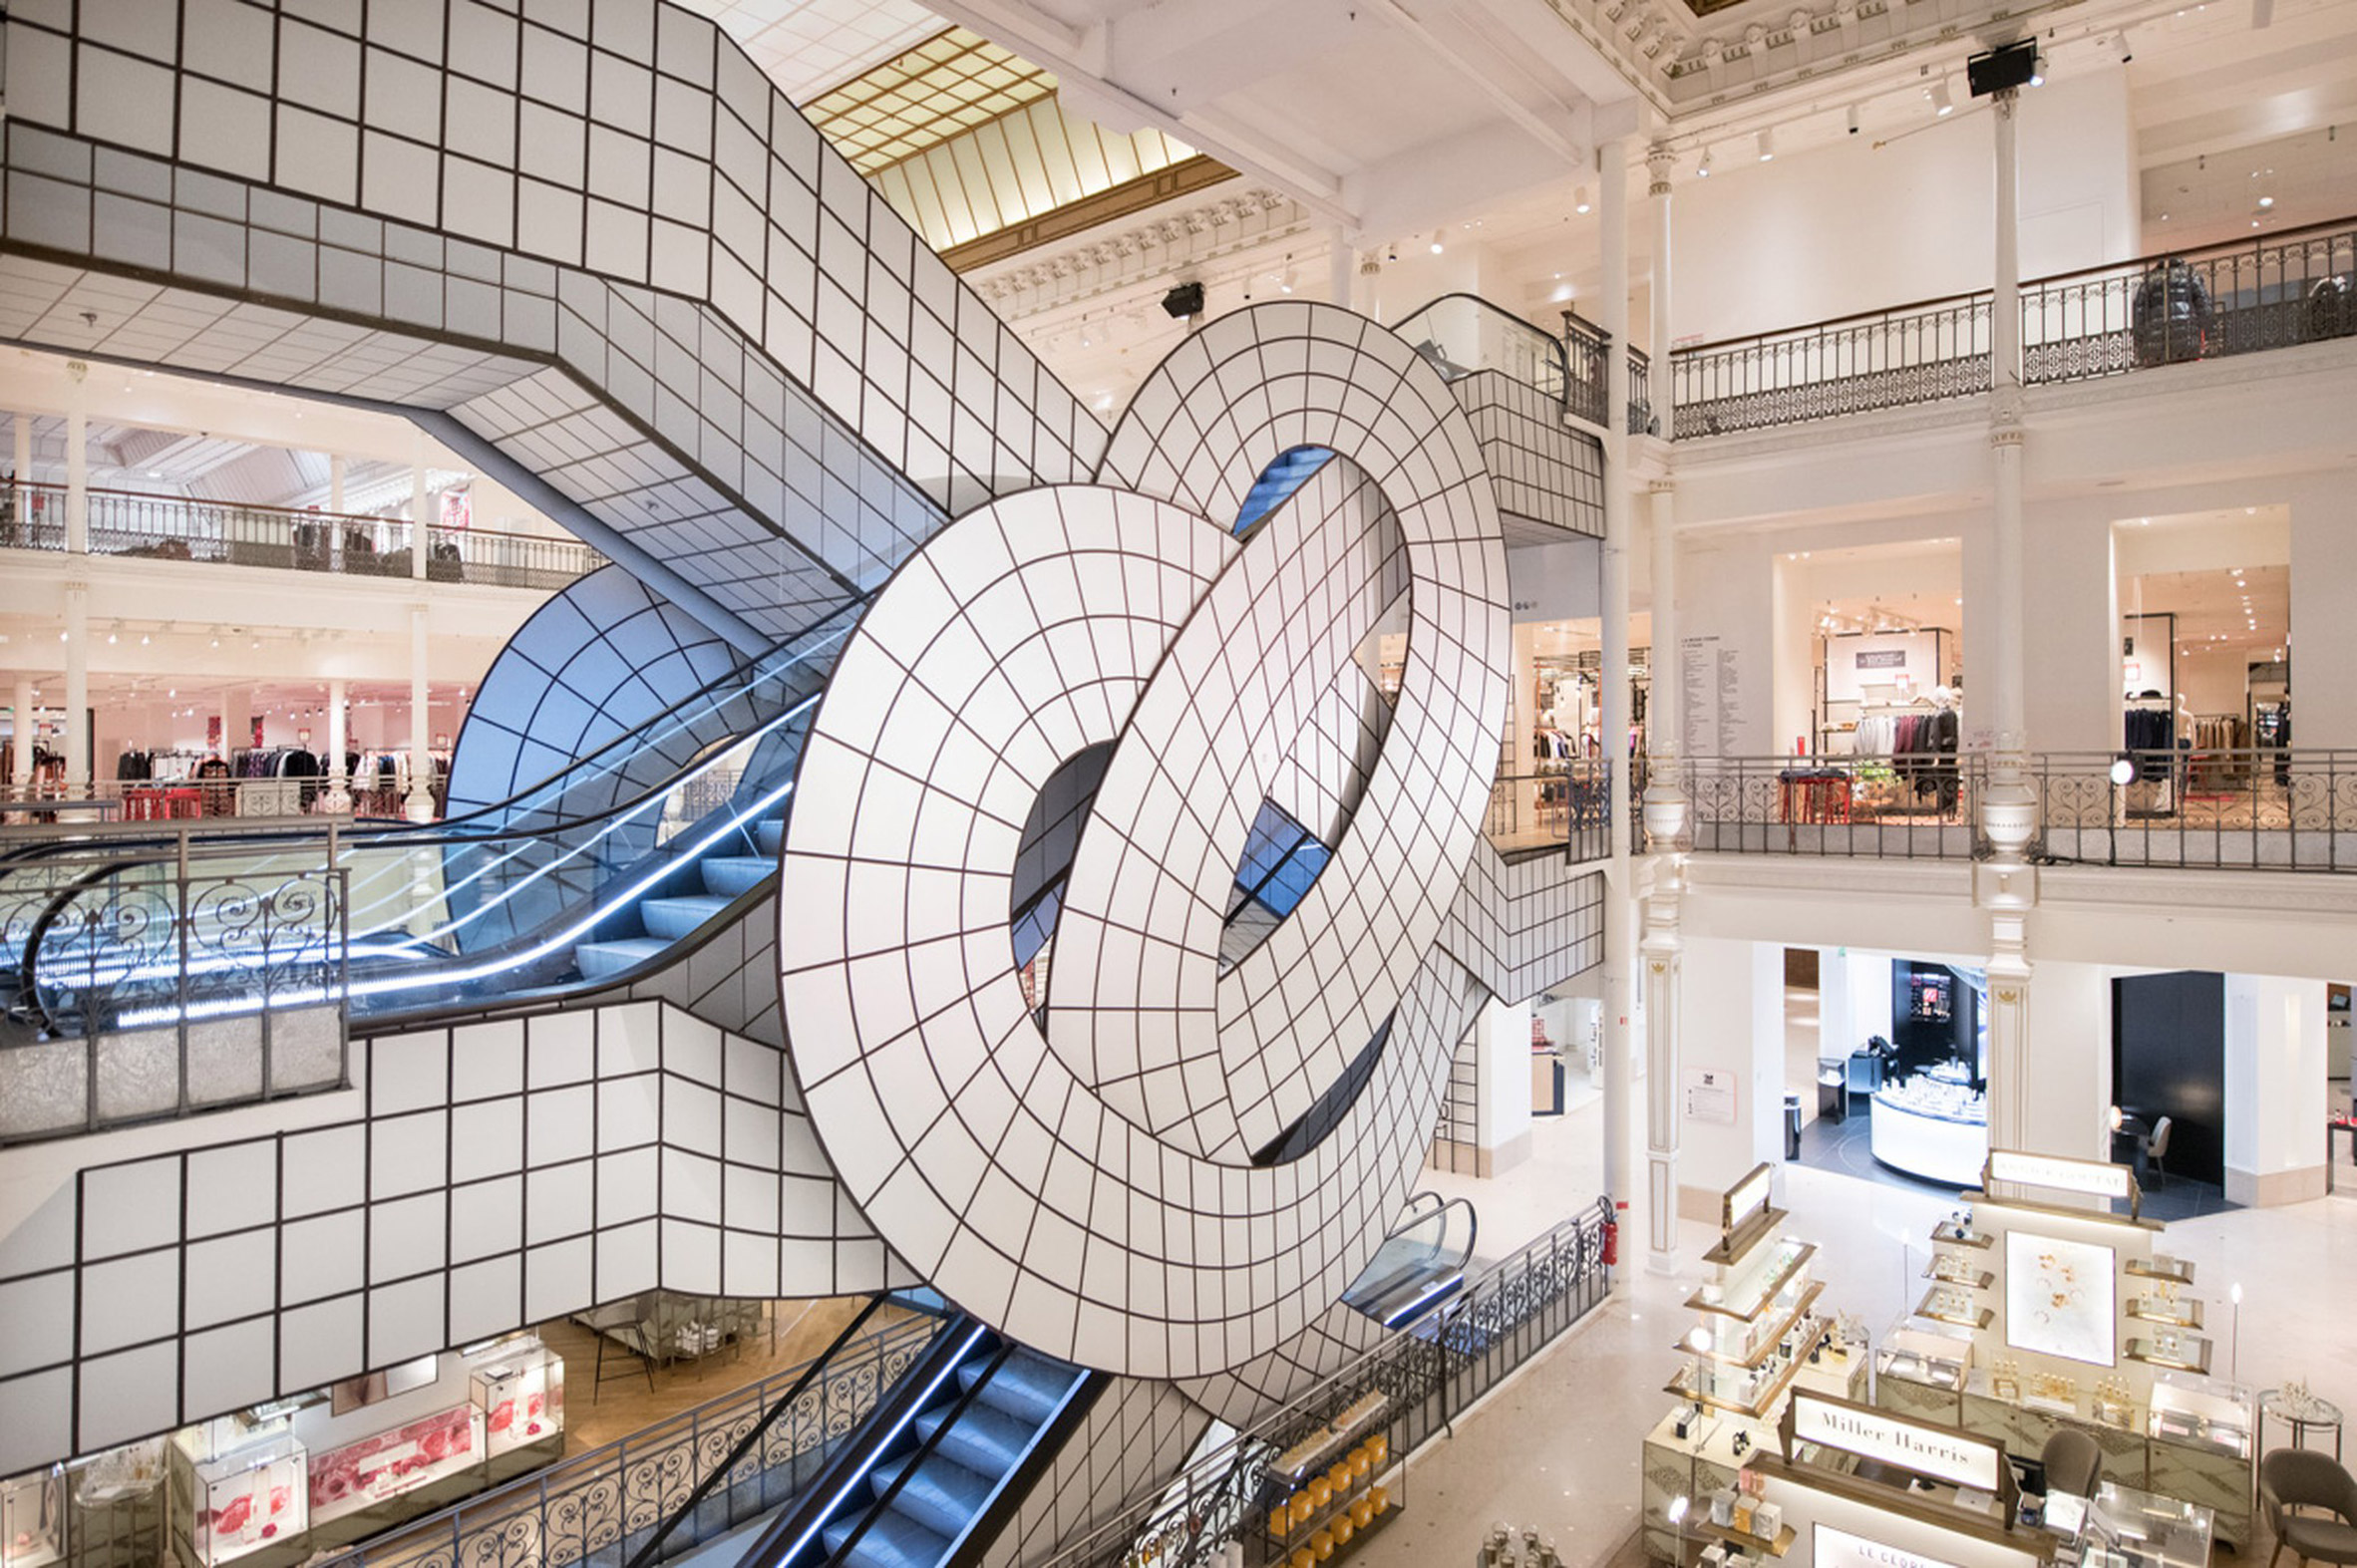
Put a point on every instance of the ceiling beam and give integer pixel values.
(1079, 56)
(1484, 80)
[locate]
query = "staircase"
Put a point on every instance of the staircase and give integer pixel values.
(664, 919)
(913, 1497)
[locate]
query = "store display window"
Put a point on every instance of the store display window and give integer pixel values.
(388, 1464)
(33, 1520)
(519, 1391)
(246, 1499)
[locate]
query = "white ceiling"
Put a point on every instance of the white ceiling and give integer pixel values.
(809, 46)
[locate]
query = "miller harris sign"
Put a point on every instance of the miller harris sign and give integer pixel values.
(1941, 1453)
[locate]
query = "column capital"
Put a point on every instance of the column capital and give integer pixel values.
(1660, 163)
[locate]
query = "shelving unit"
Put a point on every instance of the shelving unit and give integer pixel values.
(1786, 1535)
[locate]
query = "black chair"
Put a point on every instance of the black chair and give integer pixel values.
(2294, 1478)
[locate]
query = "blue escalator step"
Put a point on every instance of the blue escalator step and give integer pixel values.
(731, 875)
(772, 835)
(941, 1496)
(1026, 1386)
(893, 1540)
(984, 1441)
(601, 959)
(676, 917)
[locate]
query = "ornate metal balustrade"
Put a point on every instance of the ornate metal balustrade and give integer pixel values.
(1916, 807)
(153, 986)
(601, 1508)
(1428, 1375)
(1876, 360)
(2250, 809)
(1640, 394)
(1583, 351)
(2275, 292)
(166, 527)
(1567, 810)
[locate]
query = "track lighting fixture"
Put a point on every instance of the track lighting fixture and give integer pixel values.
(1941, 103)
(1437, 242)
(1702, 171)
(1767, 141)
(1579, 200)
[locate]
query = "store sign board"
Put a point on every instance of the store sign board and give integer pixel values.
(2092, 1177)
(1940, 1452)
(1747, 1197)
(1840, 1549)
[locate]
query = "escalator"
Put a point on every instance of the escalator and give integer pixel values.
(941, 1465)
(1421, 1264)
(560, 885)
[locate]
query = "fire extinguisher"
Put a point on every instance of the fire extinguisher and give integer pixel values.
(1612, 1236)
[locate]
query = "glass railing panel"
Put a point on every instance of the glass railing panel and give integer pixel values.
(1460, 335)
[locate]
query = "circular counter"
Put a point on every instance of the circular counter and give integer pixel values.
(1919, 1140)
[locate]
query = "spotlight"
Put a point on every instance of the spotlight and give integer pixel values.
(1182, 301)
(1702, 171)
(1853, 119)
(1437, 245)
(1941, 103)
(2001, 70)
(1579, 202)
(1767, 139)
(2122, 48)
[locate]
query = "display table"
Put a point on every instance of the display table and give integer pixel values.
(2303, 1412)
(1936, 1131)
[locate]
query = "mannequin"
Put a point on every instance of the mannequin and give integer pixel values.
(1946, 726)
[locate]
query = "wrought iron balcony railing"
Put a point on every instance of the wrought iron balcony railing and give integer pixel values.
(1565, 810)
(2276, 291)
(170, 527)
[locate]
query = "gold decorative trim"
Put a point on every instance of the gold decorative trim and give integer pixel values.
(1184, 177)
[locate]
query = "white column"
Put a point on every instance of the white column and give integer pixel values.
(1342, 267)
(22, 427)
(1659, 161)
(339, 793)
(229, 719)
(1664, 956)
(2006, 884)
(77, 780)
(20, 739)
(335, 506)
(1619, 906)
(419, 808)
(421, 515)
(77, 464)
(2005, 682)
(1665, 708)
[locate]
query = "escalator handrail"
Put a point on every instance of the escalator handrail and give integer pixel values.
(1087, 1383)
(29, 986)
(966, 1400)
(1413, 1214)
(804, 1518)
(760, 1429)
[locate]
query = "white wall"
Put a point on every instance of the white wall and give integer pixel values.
(2275, 1092)
(1501, 1084)
(1812, 250)
(1732, 1020)
(2070, 1060)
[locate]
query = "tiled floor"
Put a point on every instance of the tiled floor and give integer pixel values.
(1556, 1448)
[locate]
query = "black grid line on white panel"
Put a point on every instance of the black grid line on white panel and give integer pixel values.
(1131, 1445)
(1545, 471)
(1524, 925)
(633, 140)
(657, 418)
(1097, 1227)
(508, 1170)
(596, 662)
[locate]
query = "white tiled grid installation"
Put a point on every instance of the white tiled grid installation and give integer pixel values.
(639, 145)
(980, 1155)
(508, 1171)
(599, 659)
(1545, 472)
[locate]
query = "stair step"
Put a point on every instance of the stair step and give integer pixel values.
(941, 1496)
(895, 1540)
(601, 959)
(984, 1441)
(732, 875)
(676, 917)
(772, 834)
(1027, 1387)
